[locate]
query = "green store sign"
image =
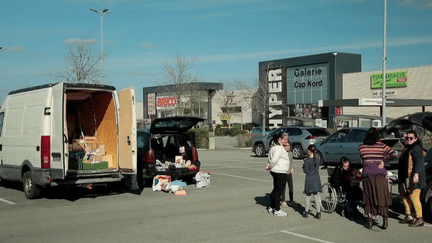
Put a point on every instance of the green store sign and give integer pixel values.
(393, 80)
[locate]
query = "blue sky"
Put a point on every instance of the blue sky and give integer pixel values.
(227, 37)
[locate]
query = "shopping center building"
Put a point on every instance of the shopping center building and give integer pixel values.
(408, 90)
(192, 99)
(330, 90)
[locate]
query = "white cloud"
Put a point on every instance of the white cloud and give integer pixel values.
(409, 41)
(109, 42)
(147, 45)
(74, 41)
(416, 4)
(136, 74)
(15, 49)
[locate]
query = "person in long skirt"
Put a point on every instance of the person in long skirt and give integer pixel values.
(312, 181)
(376, 195)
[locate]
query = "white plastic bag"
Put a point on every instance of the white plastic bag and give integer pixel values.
(202, 179)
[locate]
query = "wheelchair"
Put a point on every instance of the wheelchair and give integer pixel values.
(332, 198)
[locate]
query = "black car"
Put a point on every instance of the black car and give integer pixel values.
(168, 149)
(421, 122)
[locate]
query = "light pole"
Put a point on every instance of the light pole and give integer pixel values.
(105, 11)
(384, 100)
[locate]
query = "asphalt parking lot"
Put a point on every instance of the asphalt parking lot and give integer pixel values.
(231, 209)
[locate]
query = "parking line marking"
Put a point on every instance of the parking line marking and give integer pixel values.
(305, 236)
(6, 201)
(241, 177)
(244, 167)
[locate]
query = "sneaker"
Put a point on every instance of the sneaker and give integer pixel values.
(280, 213)
(318, 215)
(270, 210)
(305, 214)
(284, 204)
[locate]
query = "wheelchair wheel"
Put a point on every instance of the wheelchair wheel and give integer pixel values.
(328, 198)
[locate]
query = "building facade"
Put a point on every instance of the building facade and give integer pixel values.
(232, 107)
(194, 99)
(408, 90)
(296, 85)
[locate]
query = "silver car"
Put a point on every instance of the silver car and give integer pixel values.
(344, 144)
(300, 137)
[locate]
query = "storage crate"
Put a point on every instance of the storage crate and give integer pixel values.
(94, 166)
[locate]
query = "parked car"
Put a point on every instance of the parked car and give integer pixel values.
(300, 138)
(344, 144)
(259, 130)
(168, 149)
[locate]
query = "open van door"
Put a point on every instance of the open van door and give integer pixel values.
(127, 132)
(58, 135)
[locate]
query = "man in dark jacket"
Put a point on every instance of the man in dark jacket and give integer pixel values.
(345, 177)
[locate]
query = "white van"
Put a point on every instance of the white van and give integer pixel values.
(67, 134)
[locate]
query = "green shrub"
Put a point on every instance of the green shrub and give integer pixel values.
(246, 139)
(234, 131)
(202, 136)
(218, 130)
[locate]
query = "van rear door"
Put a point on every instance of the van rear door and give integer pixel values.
(58, 136)
(127, 132)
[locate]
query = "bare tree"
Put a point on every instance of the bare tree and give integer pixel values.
(225, 100)
(257, 99)
(82, 63)
(261, 98)
(181, 81)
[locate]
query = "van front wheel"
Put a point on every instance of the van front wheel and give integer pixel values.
(31, 190)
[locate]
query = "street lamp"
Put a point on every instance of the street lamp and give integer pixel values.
(105, 11)
(384, 99)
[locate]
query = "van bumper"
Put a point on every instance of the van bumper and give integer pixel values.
(42, 177)
(148, 172)
(100, 178)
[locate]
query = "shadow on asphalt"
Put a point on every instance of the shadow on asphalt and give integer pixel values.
(74, 193)
(263, 201)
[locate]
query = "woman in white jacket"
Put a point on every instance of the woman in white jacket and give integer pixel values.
(278, 164)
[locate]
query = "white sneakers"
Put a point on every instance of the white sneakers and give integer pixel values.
(280, 213)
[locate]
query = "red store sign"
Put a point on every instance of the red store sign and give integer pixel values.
(168, 101)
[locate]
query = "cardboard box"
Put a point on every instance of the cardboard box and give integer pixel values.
(91, 142)
(109, 158)
(77, 145)
(179, 160)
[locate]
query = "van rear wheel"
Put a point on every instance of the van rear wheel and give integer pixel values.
(31, 190)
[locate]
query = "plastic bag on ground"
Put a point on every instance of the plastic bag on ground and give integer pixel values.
(202, 179)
